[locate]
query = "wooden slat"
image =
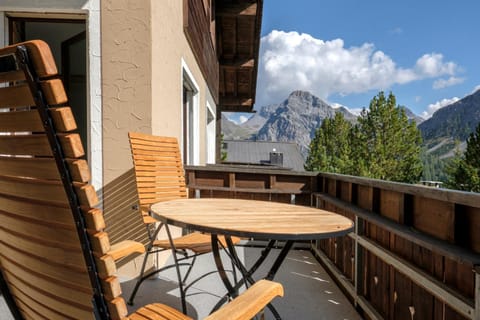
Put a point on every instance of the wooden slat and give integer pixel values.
(52, 286)
(16, 96)
(43, 168)
(249, 303)
(37, 145)
(157, 311)
(63, 119)
(125, 248)
(48, 268)
(54, 92)
(105, 266)
(94, 219)
(71, 257)
(12, 76)
(33, 189)
(100, 243)
(20, 121)
(86, 195)
(117, 308)
(36, 310)
(111, 288)
(74, 310)
(39, 211)
(41, 232)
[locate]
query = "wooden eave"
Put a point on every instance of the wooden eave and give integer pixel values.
(238, 42)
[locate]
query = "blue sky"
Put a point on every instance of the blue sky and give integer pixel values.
(345, 51)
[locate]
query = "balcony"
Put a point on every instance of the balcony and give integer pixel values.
(414, 253)
(415, 250)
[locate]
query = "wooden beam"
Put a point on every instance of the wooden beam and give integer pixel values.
(237, 64)
(237, 9)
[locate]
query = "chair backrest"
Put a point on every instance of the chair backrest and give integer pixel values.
(158, 169)
(53, 248)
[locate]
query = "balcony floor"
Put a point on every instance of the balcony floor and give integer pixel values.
(310, 293)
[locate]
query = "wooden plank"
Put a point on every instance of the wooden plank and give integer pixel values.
(20, 121)
(87, 195)
(12, 76)
(117, 308)
(111, 288)
(63, 119)
(105, 266)
(100, 243)
(74, 310)
(45, 267)
(43, 168)
(54, 92)
(443, 213)
(391, 205)
(41, 232)
(71, 257)
(38, 168)
(423, 279)
(33, 189)
(94, 219)
(16, 96)
(51, 285)
(38, 145)
(36, 311)
(39, 212)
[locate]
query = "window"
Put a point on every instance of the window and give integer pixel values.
(210, 135)
(190, 139)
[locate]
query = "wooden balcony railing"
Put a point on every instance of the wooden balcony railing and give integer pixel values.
(415, 252)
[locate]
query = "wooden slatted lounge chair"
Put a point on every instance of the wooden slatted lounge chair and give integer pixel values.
(160, 177)
(55, 257)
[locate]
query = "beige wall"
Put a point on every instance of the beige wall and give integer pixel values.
(143, 46)
(126, 79)
(169, 48)
(143, 50)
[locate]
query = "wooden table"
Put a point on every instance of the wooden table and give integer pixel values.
(261, 220)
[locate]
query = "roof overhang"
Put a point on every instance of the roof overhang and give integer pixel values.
(238, 43)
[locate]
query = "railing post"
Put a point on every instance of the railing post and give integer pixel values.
(359, 231)
(477, 292)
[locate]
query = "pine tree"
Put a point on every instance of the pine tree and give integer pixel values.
(330, 148)
(464, 170)
(387, 144)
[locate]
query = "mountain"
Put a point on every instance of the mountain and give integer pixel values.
(452, 123)
(296, 119)
(233, 131)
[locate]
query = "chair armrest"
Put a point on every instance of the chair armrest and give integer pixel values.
(250, 302)
(125, 248)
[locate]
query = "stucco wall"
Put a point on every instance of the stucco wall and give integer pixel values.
(126, 79)
(170, 49)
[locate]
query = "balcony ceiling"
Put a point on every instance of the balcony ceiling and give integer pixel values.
(238, 42)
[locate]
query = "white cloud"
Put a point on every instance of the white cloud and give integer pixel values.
(242, 119)
(443, 83)
(291, 61)
(437, 105)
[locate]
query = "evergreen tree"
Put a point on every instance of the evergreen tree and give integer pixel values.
(330, 148)
(387, 144)
(464, 170)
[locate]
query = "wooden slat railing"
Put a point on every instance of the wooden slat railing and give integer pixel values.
(415, 253)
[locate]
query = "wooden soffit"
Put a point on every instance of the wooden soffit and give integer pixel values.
(238, 25)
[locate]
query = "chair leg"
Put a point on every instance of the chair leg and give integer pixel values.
(177, 267)
(144, 264)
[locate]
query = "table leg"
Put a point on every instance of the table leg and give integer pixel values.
(246, 274)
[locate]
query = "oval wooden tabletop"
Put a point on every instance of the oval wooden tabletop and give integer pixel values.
(252, 218)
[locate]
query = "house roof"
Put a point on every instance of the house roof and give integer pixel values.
(238, 41)
(258, 152)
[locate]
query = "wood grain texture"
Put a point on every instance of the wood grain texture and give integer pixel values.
(262, 219)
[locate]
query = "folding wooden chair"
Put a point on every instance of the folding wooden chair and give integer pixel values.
(55, 257)
(160, 177)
